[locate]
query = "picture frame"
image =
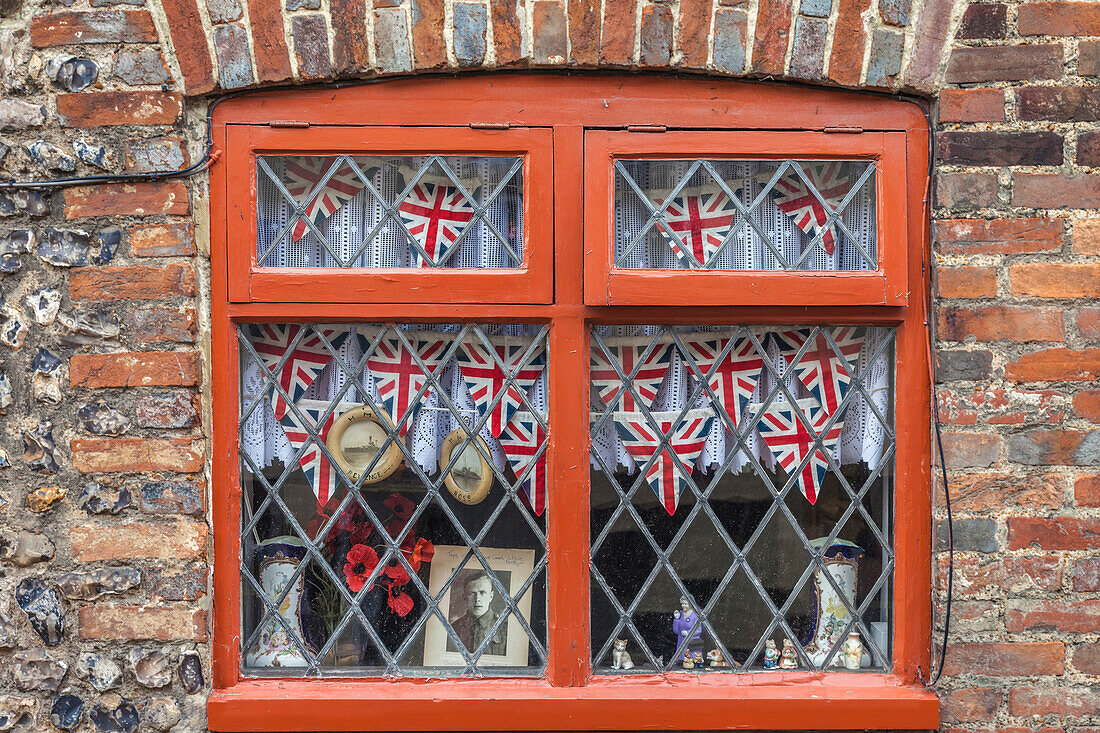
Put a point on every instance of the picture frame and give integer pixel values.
(509, 646)
(354, 440)
(471, 477)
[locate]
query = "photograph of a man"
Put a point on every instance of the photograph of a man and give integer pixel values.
(475, 610)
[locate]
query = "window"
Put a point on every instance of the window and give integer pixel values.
(560, 409)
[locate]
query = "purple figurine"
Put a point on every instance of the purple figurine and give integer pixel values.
(688, 640)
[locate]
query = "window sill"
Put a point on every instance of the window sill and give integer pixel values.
(780, 701)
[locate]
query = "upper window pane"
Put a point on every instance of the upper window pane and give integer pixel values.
(361, 211)
(745, 215)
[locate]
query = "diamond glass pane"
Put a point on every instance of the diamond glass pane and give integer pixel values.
(742, 497)
(745, 215)
(393, 499)
(361, 211)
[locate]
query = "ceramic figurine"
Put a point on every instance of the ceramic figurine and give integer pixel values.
(620, 657)
(789, 658)
(853, 651)
(715, 659)
(829, 615)
(689, 635)
(771, 655)
(278, 559)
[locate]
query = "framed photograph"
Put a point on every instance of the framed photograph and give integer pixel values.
(472, 606)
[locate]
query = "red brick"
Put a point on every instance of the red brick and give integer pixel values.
(1030, 574)
(974, 576)
(773, 30)
(189, 42)
(1051, 448)
(932, 31)
(1059, 19)
(999, 147)
(1088, 322)
(1058, 700)
(127, 199)
(984, 22)
(1062, 104)
(1086, 578)
(311, 45)
(1045, 191)
(1086, 236)
(1006, 659)
(1001, 322)
(982, 492)
(966, 282)
(1086, 490)
(998, 236)
(970, 704)
(138, 369)
(1055, 280)
(656, 46)
(134, 623)
(508, 35)
(175, 539)
(1088, 58)
(138, 282)
(1055, 365)
(972, 105)
(268, 41)
(1058, 616)
(155, 325)
(350, 47)
(966, 190)
(1087, 405)
(1054, 533)
(1086, 658)
(617, 41)
(131, 455)
(550, 42)
(71, 28)
(846, 59)
(972, 617)
(694, 22)
(1004, 63)
(176, 584)
(174, 239)
(101, 109)
(970, 450)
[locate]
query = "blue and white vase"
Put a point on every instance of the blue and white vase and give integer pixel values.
(828, 615)
(278, 558)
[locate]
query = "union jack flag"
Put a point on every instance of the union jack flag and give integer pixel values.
(321, 475)
(308, 359)
(628, 355)
(795, 199)
(304, 173)
(734, 379)
(697, 221)
(521, 440)
(686, 439)
(821, 370)
(789, 441)
(398, 377)
(435, 214)
(486, 379)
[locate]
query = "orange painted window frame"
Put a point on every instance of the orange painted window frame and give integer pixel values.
(569, 697)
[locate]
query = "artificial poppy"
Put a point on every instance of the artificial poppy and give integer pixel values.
(361, 563)
(400, 602)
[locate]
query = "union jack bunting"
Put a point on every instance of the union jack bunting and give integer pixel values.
(321, 475)
(435, 215)
(628, 354)
(789, 441)
(304, 173)
(821, 370)
(486, 379)
(696, 221)
(308, 359)
(521, 439)
(735, 377)
(396, 374)
(686, 440)
(795, 199)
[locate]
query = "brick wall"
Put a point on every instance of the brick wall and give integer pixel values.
(123, 486)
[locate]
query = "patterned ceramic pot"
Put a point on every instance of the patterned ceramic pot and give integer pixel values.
(829, 616)
(278, 558)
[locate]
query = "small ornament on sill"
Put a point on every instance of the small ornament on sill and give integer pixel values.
(689, 635)
(771, 655)
(789, 657)
(715, 659)
(620, 657)
(853, 651)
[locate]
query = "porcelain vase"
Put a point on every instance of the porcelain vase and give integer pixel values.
(828, 615)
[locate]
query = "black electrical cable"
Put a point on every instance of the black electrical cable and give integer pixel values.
(207, 158)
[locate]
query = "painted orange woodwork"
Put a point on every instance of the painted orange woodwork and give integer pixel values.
(560, 117)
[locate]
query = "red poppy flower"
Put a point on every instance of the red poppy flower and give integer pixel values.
(361, 562)
(396, 574)
(400, 603)
(400, 506)
(422, 551)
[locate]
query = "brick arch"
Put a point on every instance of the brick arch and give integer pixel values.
(233, 44)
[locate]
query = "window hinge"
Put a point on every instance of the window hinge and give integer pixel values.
(489, 125)
(844, 130)
(646, 128)
(288, 123)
